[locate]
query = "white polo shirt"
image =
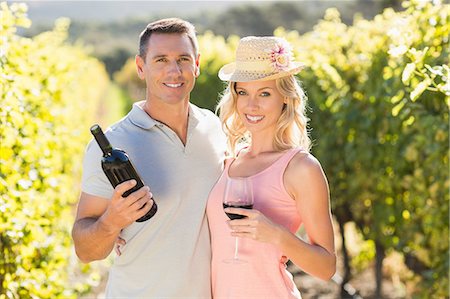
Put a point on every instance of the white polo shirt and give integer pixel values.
(169, 255)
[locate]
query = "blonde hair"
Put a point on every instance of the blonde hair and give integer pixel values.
(291, 129)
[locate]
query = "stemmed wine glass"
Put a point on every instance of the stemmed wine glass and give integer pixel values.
(238, 194)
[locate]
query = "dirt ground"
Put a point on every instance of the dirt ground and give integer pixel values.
(362, 286)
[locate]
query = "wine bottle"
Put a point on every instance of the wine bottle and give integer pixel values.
(118, 168)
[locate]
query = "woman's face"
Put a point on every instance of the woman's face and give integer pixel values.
(259, 105)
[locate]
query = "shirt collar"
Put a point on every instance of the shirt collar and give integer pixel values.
(140, 118)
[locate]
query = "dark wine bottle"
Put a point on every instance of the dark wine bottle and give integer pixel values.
(118, 168)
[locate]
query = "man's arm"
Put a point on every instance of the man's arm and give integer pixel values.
(99, 220)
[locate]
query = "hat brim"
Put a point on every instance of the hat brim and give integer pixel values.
(229, 73)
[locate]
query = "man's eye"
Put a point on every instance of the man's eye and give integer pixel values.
(185, 59)
(161, 60)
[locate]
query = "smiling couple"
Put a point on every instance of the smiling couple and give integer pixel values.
(181, 151)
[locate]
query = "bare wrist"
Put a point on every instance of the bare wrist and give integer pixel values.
(106, 227)
(280, 235)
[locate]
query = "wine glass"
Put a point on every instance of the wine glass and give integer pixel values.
(238, 194)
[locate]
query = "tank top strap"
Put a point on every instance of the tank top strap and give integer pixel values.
(283, 162)
(227, 163)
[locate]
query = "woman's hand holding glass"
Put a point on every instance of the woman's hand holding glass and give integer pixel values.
(255, 226)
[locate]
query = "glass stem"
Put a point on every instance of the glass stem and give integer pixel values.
(236, 248)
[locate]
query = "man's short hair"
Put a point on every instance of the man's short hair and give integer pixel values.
(167, 26)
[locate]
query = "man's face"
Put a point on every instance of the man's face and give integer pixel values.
(170, 68)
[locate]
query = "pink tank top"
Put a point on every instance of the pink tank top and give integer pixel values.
(264, 275)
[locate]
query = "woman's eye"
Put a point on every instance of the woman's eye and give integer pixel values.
(241, 93)
(265, 94)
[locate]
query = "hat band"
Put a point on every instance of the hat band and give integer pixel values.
(254, 66)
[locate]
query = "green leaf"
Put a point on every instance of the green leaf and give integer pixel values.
(407, 72)
(436, 70)
(420, 88)
(397, 108)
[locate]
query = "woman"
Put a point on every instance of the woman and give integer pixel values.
(263, 115)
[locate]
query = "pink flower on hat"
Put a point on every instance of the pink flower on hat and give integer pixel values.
(280, 57)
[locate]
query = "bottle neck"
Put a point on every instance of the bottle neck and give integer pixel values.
(101, 139)
(106, 150)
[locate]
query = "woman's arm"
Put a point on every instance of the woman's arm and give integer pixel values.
(305, 181)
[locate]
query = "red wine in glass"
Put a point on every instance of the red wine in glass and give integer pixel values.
(236, 216)
(238, 194)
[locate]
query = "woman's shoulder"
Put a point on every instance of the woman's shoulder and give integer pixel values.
(303, 164)
(303, 173)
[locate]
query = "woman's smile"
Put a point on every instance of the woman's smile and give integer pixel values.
(254, 118)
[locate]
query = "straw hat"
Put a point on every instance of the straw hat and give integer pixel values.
(260, 59)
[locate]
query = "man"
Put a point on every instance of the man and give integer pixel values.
(177, 148)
